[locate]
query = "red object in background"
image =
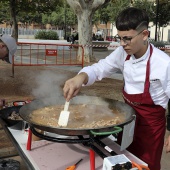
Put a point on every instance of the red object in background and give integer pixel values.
(21, 103)
(51, 52)
(110, 38)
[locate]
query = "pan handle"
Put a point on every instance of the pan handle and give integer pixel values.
(117, 130)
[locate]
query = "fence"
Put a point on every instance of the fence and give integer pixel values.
(23, 31)
(46, 54)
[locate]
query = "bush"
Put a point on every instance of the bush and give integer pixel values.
(158, 43)
(47, 35)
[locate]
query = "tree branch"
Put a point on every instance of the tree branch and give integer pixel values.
(98, 3)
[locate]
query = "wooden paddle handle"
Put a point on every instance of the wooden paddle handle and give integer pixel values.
(66, 106)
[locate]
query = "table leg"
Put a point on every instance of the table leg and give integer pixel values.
(29, 141)
(92, 160)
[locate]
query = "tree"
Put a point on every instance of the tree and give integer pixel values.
(159, 12)
(146, 5)
(4, 12)
(115, 7)
(162, 15)
(109, 12)
(12, 9)
(105, 15)
(96, 19)
(34, 8)
(84, 10)
(58, 17)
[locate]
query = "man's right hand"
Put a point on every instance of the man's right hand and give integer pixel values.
(73, 85)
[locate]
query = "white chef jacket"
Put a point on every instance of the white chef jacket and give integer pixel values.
(134, 73)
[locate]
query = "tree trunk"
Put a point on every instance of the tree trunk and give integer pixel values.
(85, 35)
(162, 32)
(84, 10)
(13, 18)
(159, 33)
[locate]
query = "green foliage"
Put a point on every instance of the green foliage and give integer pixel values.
(163, 14)
(47, 35)
(146, 5)
(110, 10)
(27, 11)
(117, 6)
(4, 12)
(61, 15)
(151, 8)
(104, 13)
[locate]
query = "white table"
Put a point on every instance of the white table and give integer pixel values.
(46, 155)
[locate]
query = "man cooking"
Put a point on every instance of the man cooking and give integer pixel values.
(146, 72)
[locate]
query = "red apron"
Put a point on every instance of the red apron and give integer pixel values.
(150, 124)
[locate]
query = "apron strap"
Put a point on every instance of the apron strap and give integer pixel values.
(147, 81)
(128, 57)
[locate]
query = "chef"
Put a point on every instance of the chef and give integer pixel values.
(146, 72)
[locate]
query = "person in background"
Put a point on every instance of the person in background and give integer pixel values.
(8, 48)
(146, 73)
(100, 38)
(97, 38)
(93, 37)
(74, 37)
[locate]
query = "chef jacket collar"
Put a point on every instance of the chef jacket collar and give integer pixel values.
(144, 57)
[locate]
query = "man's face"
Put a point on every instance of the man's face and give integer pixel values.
(3, 51)
(133, 41)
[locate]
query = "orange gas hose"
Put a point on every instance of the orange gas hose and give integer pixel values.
(73, 167)
(140, 167)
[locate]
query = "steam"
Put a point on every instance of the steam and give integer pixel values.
(49, 86)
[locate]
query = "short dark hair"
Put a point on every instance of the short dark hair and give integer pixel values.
(132, 18)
